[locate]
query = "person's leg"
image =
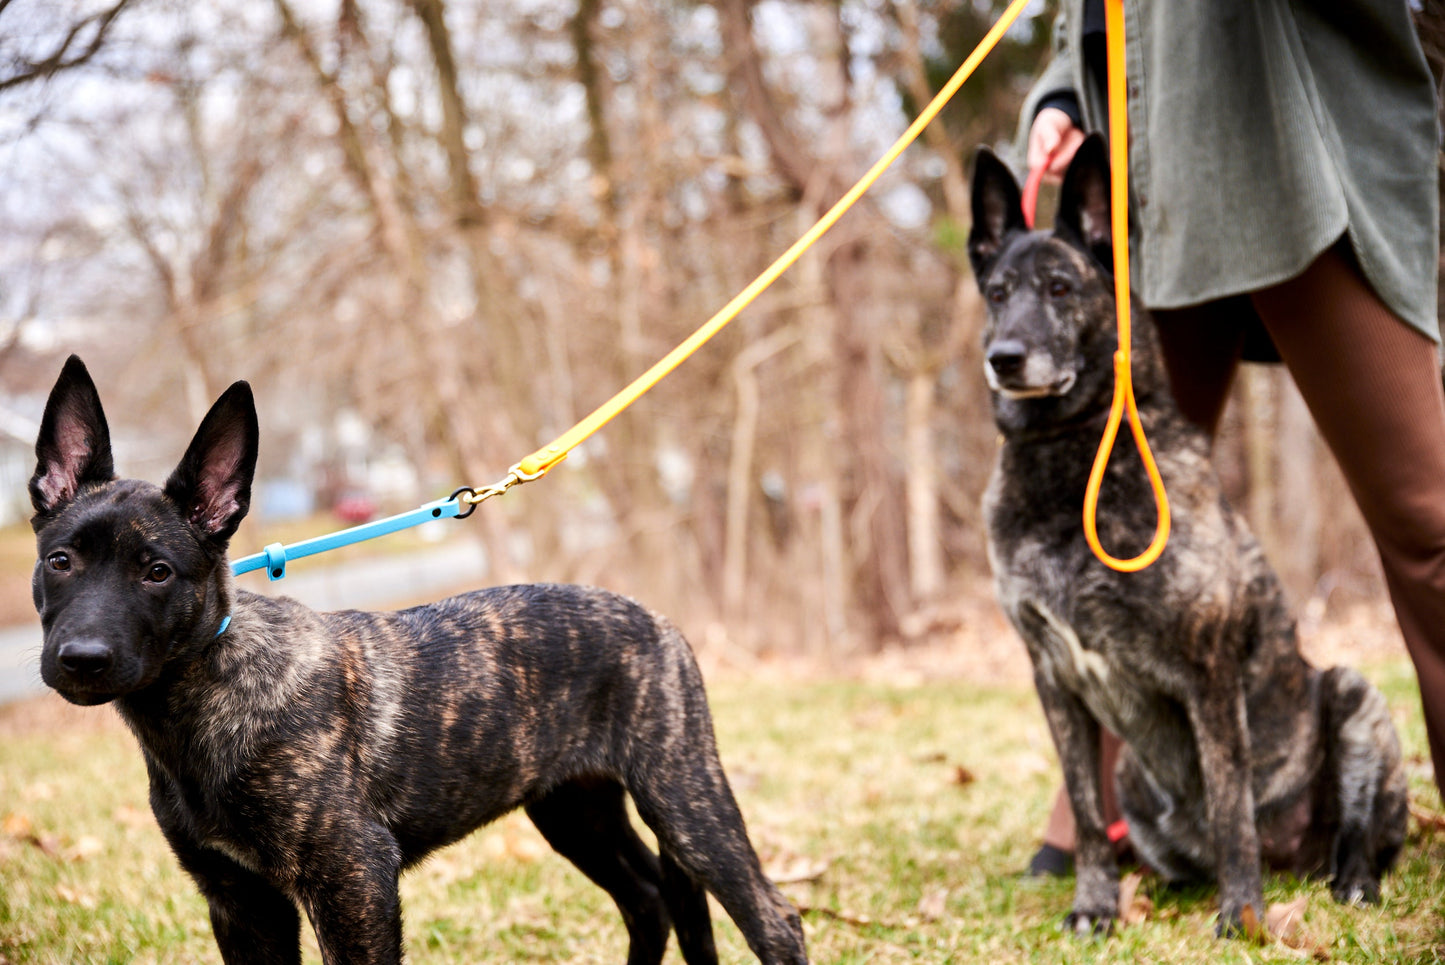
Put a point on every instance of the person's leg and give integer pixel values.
(1201, 346)
(1373, 385)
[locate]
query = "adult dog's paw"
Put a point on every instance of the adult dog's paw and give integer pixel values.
(1242, 920)
(1358, 889)
(1084, 924)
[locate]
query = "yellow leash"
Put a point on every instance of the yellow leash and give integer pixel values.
(1123, 380)
(538, 463)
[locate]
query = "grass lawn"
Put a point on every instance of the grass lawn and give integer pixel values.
(899, 816)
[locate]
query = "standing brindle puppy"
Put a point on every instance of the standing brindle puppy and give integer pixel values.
(1236, 748)
(301, 758)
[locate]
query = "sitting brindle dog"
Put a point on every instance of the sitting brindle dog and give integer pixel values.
(304, 759)
(1236, 749)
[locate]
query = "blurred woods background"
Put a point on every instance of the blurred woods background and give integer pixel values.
(433, 233)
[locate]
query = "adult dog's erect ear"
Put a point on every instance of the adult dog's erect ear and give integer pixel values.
(73, 448)
(997, 209)
(212, 483)
(1084, 202)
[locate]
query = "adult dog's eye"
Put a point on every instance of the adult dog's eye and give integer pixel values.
(59, 562)
(1058, 288)
(997, 294)
(158, 573)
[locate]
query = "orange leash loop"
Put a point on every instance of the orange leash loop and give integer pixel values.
(1123, 380)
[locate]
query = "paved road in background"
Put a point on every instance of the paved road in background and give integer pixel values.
(365, 584)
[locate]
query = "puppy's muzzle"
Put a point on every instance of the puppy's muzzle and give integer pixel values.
(86, 660)
(84, 670)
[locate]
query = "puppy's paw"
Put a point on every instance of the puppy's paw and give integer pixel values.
(1085, 924)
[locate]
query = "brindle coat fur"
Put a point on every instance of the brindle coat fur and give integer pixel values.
(303, 758)
(1236, 748)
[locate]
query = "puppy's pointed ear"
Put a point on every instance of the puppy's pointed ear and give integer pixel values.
(997, 210)
(1084, 202)
(73, 448)
(212, 484)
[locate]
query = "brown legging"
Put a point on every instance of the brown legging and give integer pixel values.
(1373, 386)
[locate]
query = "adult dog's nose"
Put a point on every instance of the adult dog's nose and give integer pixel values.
(85, 657)
(1007, 356)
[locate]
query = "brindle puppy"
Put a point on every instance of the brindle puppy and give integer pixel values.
(1236, 748)
(304, 759)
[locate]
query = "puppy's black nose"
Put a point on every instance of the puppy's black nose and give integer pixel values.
(85, 658)
(1006, 357)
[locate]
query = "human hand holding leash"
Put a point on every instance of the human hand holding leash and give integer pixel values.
(1053, 139)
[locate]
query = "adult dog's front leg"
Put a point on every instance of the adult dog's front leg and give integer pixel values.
(1096, 870)
(1217, 716)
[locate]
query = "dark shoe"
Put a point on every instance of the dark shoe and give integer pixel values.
(1051, 862)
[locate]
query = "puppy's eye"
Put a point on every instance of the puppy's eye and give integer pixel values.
(158, 573)
(1058, 288)
(996, 294)
(59, 562)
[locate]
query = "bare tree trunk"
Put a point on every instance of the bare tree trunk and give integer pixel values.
(465, 198)
(455, 418)
(740, 465)
(873, 497)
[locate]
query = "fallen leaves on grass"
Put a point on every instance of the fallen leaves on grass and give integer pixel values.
(74, 896)
(1430, 821)
(511, 842)
(795, 870)
(931, 906)
(19, 827)
(86, 846)
(1134, 908)
(1285, 921)
(1284, 925)
(132, 817)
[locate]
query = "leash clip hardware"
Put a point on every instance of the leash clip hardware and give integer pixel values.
(275, 561)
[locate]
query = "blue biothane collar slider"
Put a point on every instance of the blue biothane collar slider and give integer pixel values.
(224, 624)
(275, 556)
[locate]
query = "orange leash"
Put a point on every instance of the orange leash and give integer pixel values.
(1123, 380)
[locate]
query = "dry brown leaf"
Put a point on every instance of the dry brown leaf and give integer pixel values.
(1285, 920)
(1134, 908)
(86, 846)
(16, 825)
(1431, 821)
(131, 817)
(931, 906)
(74, 896)
(1284, 917)
(1254, 929)
(795, 870)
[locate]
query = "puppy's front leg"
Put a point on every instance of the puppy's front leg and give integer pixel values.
(350, 895)
(252, 921)
(1217, 715)
(1096, 870)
